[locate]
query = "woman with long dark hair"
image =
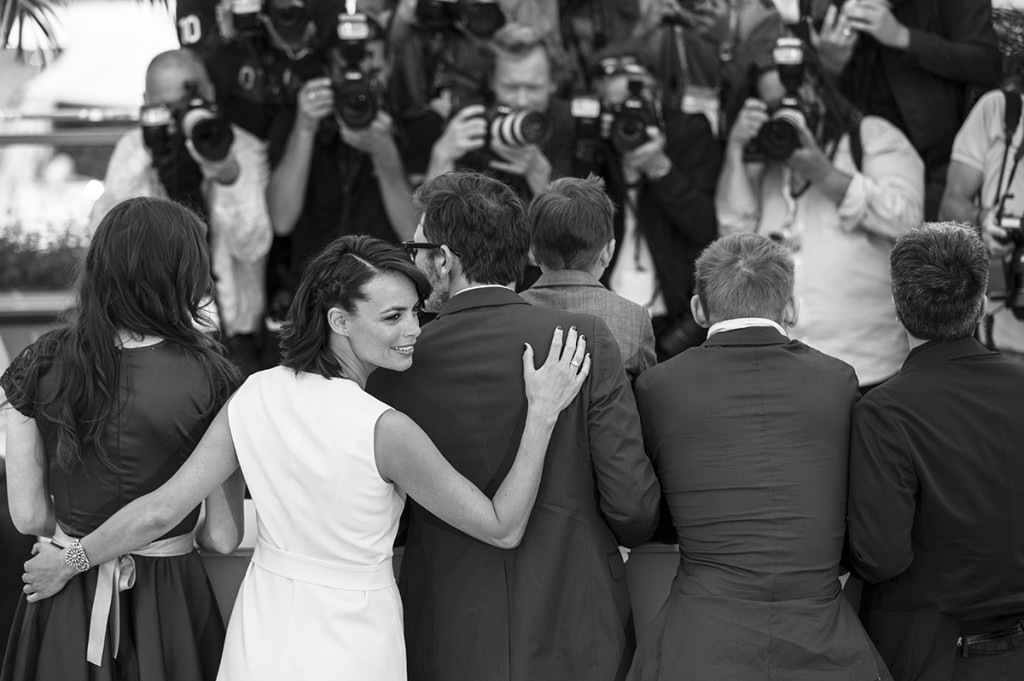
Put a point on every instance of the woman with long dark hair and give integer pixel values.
(105, 409)
(329, 468)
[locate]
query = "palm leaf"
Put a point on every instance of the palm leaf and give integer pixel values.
(22, 13)
(38, 13)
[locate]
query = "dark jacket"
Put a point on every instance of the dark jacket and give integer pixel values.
(557, 606)
(936, 469)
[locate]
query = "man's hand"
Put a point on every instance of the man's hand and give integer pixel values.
(995, 237)
(809, 161)
(47, 573)
(836, 41)
(751, 117)
(224, 171)
(649, 158)
(875, 18)
(315, 102)
(466, 132)
(375, 140)
(527, 161)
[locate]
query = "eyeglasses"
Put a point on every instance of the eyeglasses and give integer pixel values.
(412, 246)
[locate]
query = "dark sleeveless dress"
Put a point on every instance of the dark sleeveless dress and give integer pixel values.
(171, 628)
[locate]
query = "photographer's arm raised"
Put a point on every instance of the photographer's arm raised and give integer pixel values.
(464, 133)
(286, 189)
(737, 203)
(378, 142)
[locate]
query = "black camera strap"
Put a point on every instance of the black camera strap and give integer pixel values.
(1011, 119)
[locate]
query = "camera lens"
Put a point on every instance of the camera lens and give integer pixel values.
(780, 136)
(519, 128)
(629, 130)
(356, 103)
(210, 134)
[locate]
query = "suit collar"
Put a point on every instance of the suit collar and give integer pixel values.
(559, 278)
(481, 297)
(753, 335)
(943, 351)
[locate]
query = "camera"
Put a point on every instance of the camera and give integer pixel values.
(482, 18)
(624, 125)
(780, 136)
(516, 128)
(196, 119)
(1013, 265)
(356, 97)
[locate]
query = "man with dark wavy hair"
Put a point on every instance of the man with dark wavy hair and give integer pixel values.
(936, 469)
(555, 607)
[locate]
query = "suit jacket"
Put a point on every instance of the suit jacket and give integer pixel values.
(749, 435)
(577, 291)
(936, 469)
(557, 606)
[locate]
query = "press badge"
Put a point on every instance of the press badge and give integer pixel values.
(702, 100)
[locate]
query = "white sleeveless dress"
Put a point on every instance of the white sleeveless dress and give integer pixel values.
(319, 600)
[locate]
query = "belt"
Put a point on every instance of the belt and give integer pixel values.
(992, 643)
(115, 576)
(323, 572)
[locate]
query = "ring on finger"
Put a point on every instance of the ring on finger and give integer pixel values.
(847, 31)
(575, 364)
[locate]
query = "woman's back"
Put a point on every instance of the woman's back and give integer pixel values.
(320, 595)
(164, 409)
(164, 405)
(305, 445)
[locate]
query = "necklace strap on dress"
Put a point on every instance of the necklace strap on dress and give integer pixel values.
(115, 576)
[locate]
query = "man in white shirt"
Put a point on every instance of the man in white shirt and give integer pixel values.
(228, 191)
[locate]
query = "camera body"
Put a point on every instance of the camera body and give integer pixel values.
(1013, 265)
(780, 136)
(482, 18)
(623, 125)
(357, 98)
(196, 119)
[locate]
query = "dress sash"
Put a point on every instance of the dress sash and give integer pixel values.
(115, 576)
(323, 572)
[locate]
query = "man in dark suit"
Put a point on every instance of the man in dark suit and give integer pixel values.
(936, 472)
(557, 606)
(749, 433)
(571, 239)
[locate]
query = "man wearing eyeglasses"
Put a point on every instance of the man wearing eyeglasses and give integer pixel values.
(555, 607)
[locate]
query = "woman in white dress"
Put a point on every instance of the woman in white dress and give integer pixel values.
(328, 467)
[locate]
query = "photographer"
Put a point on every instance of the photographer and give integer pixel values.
(985, 187)
(911, 62)
(660, 168)
(705, 49)
(339, 165)
(523, 81)
(187, 152)
(802, 167)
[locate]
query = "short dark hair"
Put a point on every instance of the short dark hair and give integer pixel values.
(481, 219)
(570, 222)
(744, 275)
(939, 274)
(337, 277)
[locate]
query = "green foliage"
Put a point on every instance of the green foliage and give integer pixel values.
(40, 261)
